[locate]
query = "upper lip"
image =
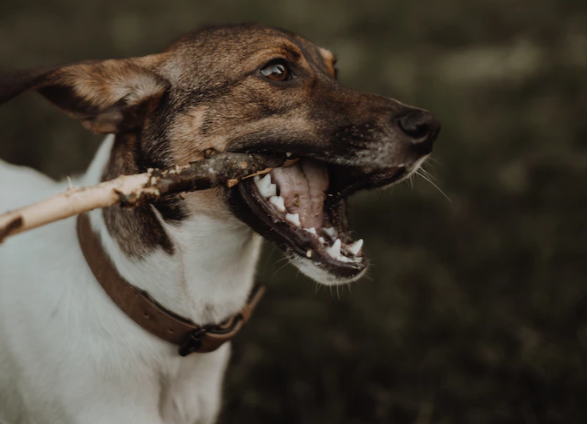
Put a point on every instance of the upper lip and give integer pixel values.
(349, 180)
(345, 179)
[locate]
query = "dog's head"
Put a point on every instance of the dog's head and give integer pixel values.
(248, 88)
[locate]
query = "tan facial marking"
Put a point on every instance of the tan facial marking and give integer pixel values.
(187, 145)
(328, 60)
(186, 141)
(283, 49)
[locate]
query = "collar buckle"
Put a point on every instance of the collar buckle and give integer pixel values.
(192, 343)
(139, 306)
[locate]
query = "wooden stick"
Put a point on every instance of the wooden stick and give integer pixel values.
(220, 169)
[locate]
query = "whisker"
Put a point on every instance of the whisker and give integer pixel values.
(279, 261)
(283, 258)
(280, 268)
(271, 253)
(428, 164)
(428, 174)
(431, 158)
(434, 185)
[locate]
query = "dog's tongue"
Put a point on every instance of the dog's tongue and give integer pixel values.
(303, 186)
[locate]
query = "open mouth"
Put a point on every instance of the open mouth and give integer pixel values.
(301, 208)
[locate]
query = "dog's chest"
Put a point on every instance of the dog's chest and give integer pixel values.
(191, 387)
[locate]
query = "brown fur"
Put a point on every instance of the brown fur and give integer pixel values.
(206, 91)
(127, 225)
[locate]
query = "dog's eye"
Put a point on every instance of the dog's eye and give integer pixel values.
(277, 70)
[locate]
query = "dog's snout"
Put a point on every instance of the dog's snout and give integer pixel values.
(422, 127)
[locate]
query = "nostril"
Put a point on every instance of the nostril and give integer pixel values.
(419, 125)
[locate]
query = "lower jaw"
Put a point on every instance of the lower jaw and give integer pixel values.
(320, 267)
(322, 274)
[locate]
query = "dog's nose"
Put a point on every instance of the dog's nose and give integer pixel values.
(422, 128)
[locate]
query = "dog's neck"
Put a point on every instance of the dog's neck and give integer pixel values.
(203, 268)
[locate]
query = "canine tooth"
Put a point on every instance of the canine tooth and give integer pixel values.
(321, 239)
(263, 184)
(288, 154)
(334, 250)
(330, 231)
(355, 248)
(271, 191)
(294, 219)
(311, 230)
(309, 253)
(278, 202)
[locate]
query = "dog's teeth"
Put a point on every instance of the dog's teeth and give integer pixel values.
(311, 230)
(355, 248)
(321, 240)
(294, 219)
(309, 253)
(263, 185)
(288, 154)
(342, 258)
(334, 250)
(271, 191)
(331, 232)
(278, 202)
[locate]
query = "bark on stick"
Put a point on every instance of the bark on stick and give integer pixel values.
(221, 169)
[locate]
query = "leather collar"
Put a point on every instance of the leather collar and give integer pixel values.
(146, 312)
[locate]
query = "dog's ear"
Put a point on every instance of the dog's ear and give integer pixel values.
(107, 96)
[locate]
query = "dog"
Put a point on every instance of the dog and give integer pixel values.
(68, 353)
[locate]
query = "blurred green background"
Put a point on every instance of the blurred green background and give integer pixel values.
(475, 310)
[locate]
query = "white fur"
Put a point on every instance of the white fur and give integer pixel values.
(315, 272)
(69, 355)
